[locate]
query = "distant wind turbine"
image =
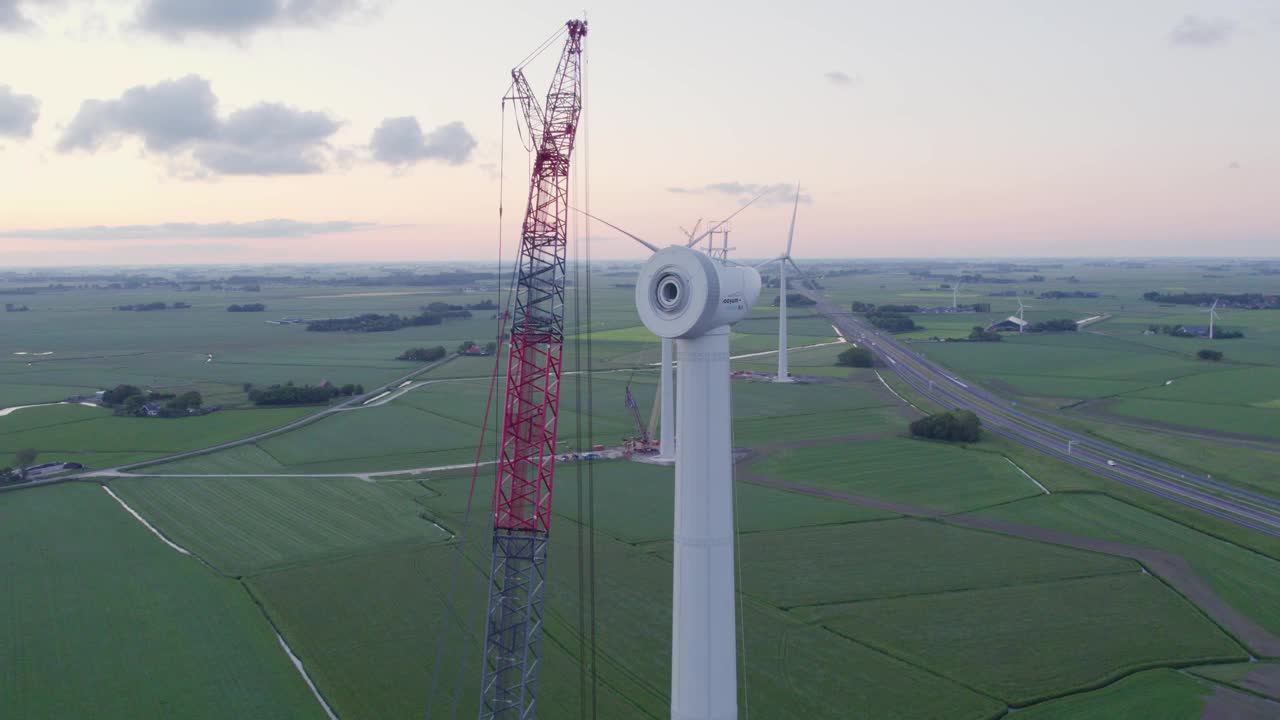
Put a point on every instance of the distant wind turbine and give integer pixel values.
(955, 291)
(1021, 308)
(783, 375)
(1213, 315)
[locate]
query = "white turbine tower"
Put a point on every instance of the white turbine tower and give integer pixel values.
(955, 292)
(692, 298)
(1213, 315)
(1021, 308)
(783, 375)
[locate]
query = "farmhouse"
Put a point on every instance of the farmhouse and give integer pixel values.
(1009, 324)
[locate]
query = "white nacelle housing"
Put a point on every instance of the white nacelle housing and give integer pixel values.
(683, 293)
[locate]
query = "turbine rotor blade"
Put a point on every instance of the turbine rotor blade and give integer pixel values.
(770, 261)
(715, 227)
(791, 234)
(638, 239)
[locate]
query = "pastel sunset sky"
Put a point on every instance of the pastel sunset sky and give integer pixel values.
(195, 131)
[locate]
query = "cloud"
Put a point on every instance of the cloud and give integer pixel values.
(769, 194)
(239, 18)
(399, 141)
(179, 116)
(165, 116)
(1195, 31)
(275, 228)
(835, 77)
(269, 139)
(1234, 165)
(18, 113)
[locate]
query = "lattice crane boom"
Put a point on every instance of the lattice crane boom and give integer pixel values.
(526, 461)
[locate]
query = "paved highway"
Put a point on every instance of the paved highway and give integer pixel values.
(1002, 417)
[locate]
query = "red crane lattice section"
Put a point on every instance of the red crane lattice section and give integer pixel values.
(526, 463)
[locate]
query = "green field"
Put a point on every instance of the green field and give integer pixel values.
(1241, 577)
(244, 526)
(374, 662)
(1154, 694)
(843, 605)
(926, 474)
(862, 561)
(1087, 631)
(102, 620)
(96, 439)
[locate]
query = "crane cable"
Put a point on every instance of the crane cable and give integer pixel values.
(451, 613)
(587, 675)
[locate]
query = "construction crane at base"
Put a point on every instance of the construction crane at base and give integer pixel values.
(643, 442)
(531, 409)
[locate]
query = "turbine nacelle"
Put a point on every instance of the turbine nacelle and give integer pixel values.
(682, 293)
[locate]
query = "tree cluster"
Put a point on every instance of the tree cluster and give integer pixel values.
(424, 354)
(1058, 325)
(981, 334)
(1243, 300)
(247, 307)
(797, 300)
(483, 305)
(1210, 355)
(1183, 332)
(951, 425)
(12, 307)
(133, 401)
(1064, 294)
(372, 322)
(891, 321)
(855, 357)
(447, 311)
(290, 394)
(146, 307)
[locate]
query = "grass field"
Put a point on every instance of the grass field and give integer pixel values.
(1087, 631)
(375, 661)
(95, 438)
(928, 474)
(843, 607)
(843, 563)
(247, 525)
(1154, 694)
(1243, 578)
(102, 620)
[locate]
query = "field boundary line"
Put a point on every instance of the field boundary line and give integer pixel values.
(895, 393)
(146, 524)
(305, 677)
(1028, 476)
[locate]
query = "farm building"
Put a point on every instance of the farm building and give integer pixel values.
(1009, 324)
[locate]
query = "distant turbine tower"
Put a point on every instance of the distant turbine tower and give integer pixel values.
(783, 375)
(1021, 308)
(955, 291)
(1213, 315)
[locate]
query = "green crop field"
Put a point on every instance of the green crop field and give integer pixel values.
(93, 437)
(1241, 577)
(379, 662)
(918, 472)
(247, 525)
(842, 605)
(1163, 694)
(842, 563)
(1087, 631)
(100, 619)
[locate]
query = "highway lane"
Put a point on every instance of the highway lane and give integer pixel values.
(1000, 416)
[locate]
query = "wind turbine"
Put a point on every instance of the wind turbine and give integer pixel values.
(691, 298)
(955, 291)
(783, 376)
(1021, 308)
(1213, 315)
